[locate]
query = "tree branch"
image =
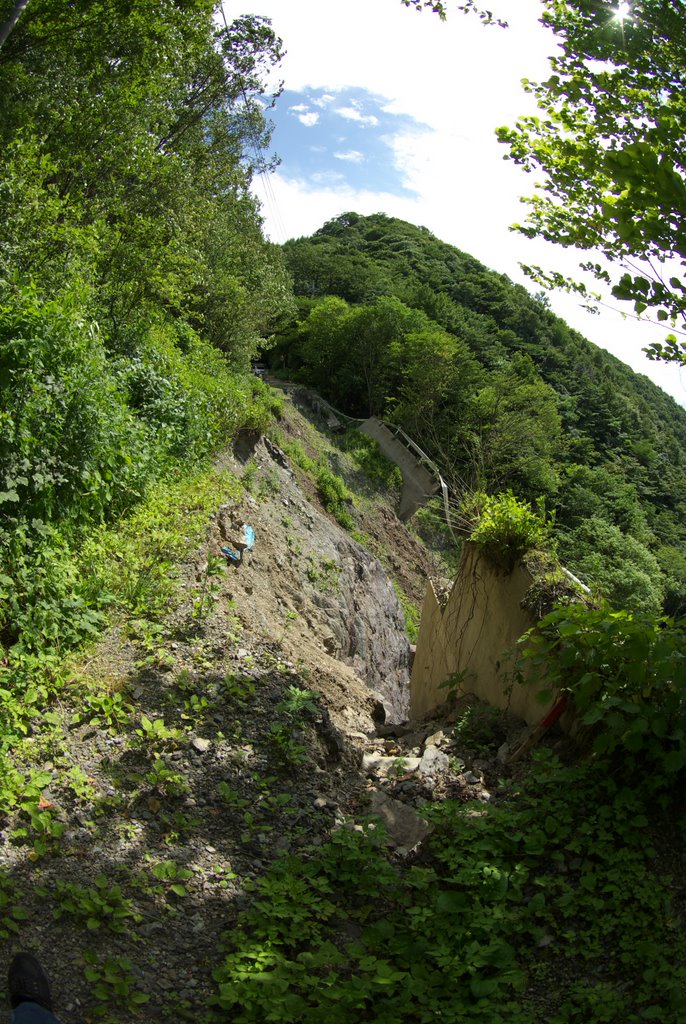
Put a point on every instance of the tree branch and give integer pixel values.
(6, 29)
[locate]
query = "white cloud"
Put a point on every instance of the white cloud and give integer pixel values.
(310, 119)
(352, 114)
(327, 180)
(352, 156)
(299, 108)
(323, 101)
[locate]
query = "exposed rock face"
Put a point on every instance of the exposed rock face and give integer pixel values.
(365, 618)
(328, 591)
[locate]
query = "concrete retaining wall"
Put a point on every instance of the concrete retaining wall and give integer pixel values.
(476, 628)
(418, 483)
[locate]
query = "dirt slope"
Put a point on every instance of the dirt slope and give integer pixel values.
(211, 755)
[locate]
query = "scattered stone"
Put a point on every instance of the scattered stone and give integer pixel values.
(437, 739)
(433, 761)
(405, 828)
(200, 744)
(407, 787)
(503, 753)
(471, 779)
(378, 762)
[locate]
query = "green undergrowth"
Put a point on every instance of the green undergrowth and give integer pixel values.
(333, 491)
(505, 528)
(137, 561)
(338, 487)
(366, 454)
(91, 426)
(626, 675)
(549, 905)
(128, 571)
(411, 613)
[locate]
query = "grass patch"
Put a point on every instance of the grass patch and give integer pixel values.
(136, 560)
(128, 569)
(411, 613)
(378, 469)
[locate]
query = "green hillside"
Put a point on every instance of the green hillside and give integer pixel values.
(192, 747)
(500, 391)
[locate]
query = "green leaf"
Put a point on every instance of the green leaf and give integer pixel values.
(481, 988)
(674, 761)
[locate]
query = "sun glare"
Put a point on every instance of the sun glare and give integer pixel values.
(622, 12)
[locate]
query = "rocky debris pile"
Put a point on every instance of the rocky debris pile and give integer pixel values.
(410, 764)
(308, 576)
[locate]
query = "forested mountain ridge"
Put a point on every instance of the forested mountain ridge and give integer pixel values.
(500, 390)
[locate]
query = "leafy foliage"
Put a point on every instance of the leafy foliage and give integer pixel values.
(610, 142)
(554, 893)
(507, 528)
(626, 673)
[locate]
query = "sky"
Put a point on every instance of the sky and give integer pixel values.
(389, 110)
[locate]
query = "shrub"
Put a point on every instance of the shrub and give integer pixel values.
(626, 673)
(335, 496)
(72, 450)
(507, 528)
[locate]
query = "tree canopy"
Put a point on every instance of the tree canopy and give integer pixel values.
(610, 140)
(135, 281)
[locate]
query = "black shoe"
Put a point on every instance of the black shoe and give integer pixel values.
(28, 982)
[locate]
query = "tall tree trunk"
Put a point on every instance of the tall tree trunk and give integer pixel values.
(6, 29)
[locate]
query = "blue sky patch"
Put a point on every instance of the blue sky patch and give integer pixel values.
(340, 138)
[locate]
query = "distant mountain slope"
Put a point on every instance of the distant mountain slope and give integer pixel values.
(506, 395)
